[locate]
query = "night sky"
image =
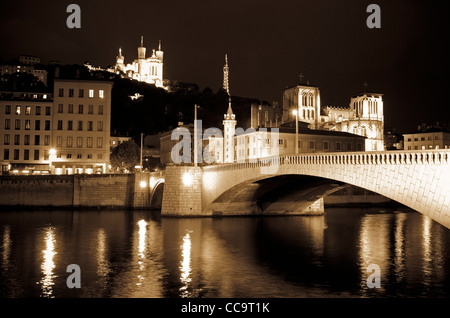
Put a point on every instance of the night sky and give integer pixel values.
(269, 43)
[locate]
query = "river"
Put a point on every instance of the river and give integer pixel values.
(136, 254)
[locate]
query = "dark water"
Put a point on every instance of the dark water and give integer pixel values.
(139, 254)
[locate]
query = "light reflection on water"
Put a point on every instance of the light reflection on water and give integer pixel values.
(48, 264)
(139, 254)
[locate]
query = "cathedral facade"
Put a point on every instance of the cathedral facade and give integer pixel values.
(144, 69)
(363, 117)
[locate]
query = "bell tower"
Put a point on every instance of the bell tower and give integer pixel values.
(229, 121)
(141, 50)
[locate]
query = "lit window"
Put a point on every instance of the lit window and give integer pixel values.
(17, 110)
(91, 93)
(101, 93)
(28, 110)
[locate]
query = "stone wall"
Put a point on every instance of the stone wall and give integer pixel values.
(103, 191)
(182, 191)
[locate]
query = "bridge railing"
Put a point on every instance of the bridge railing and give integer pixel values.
(426, 157)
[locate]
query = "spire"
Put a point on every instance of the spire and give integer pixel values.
(159, 45)
(120, 51)
(142, 40)
(225, 76)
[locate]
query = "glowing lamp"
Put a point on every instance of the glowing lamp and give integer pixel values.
(188, 179)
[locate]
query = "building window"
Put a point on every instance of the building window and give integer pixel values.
(6, 154)
(80, 109)
(69, 156)
(26, 140)
(6, 140)
(47, 140)
(7, 109)
(101, 93)
(27, 124)
(7, 124)
(69, 125)
(47, 110)
(338, 146)
(89, 156)
(326, 145)
(79, 156)
(59, 141)
(100, 109)
(47, 125)
(37, 140)
(60, 108)
(358, 147)
(17, 124)
(99, 156)
(312, 145)
(27, 110)
(80, 125)
(37, 125)
(79, 142)
(61, 92)
(70, 109)
(69, 142)
(36, 154)
(100, 126)
(89, 142)
(38, 110)
(17, 139)
(17, 110)
(90, 125)
(349, 146)
(26, 154)
(91, 93)
(409, 147)
(81, 93)
(16, 154)
(60, 124)
(70, 92)
(91, 109)
(99, 142)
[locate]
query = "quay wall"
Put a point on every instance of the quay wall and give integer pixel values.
(102, 191)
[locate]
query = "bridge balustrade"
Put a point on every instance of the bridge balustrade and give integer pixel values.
(364, 158)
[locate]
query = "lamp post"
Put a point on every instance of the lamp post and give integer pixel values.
(195, 135)
(295, 112)
(141, 151)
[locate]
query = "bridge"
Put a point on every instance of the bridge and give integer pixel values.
(417, 179)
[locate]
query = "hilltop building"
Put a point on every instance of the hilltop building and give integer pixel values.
(144, 69)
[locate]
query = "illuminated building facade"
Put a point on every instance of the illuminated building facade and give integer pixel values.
(363, 117)
(81, 126)
(25, 132)
(144, 69)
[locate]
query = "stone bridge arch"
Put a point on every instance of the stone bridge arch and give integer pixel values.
(419, 180)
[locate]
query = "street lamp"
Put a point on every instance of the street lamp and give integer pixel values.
(195, 135)
(295, 112)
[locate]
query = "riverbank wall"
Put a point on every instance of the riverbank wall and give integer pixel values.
(75, 191)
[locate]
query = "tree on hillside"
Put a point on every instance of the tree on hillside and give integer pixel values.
(125, 157)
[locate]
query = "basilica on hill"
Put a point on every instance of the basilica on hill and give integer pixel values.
(143, 69)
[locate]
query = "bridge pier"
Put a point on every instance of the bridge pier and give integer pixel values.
(182, 191)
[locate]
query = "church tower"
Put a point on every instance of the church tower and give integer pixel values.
(141, 50)
(120, 62)
(229, 121)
